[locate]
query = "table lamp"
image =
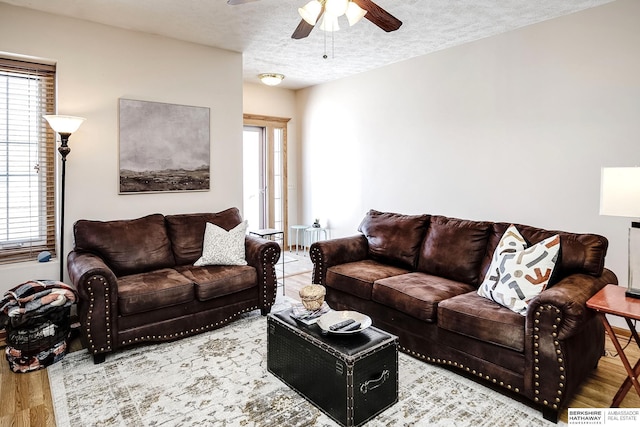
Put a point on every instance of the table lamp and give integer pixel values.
(620, 196)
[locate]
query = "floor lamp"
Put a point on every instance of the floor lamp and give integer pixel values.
(64, 126)
(620, 196)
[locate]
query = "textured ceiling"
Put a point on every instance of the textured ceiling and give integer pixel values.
(262, 29)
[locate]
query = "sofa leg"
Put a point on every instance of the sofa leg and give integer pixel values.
(98, 358)
(550, 414)
(265, 310)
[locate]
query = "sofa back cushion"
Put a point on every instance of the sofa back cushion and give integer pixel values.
(454, 249)
(394, 238)
(127, 246)
(579, 253)
(186, 232)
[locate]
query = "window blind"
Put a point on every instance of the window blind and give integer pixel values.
(27, 160)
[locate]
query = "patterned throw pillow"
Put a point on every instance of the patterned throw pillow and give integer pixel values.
(222, 247)
(517, 273)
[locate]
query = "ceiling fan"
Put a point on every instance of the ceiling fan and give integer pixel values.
(316, 9)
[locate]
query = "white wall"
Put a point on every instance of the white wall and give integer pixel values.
(97, 65)
(277, 102)
(509, 128)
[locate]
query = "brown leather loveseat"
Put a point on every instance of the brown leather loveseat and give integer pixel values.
(417, 277)
(137, 282)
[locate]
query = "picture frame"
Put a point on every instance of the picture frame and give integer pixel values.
(163, 147)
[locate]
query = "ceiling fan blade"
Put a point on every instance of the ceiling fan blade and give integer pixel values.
(235, 2)
(304, 28)
(379, 16)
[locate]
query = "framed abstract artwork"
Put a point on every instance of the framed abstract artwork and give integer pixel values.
(163, 147)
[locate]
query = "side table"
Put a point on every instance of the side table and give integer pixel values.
(272, 234)
(313, 234)
(299, 229)
(612, 300)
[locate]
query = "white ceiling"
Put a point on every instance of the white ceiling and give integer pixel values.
(262, 29)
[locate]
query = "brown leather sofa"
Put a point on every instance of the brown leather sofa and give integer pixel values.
(137, 283)
(417, 276)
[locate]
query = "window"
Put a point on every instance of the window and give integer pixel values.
(27, 160)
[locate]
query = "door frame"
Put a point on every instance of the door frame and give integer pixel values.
(270, 124)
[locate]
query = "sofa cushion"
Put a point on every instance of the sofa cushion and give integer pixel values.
(519, 272)
(222, 247)
(394, 238)
(454, 248)
(480, 318)
(186, 231)
(417, 294)
(356, 278)
(220, 280)
(127, 246)
(579, 253)
(138, 293)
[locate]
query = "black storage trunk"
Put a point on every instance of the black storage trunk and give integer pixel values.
(351, 378)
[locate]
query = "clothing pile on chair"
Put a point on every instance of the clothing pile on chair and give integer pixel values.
(36, 317)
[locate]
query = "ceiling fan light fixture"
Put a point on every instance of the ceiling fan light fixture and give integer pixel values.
(271, 79)
(336, 7)
(329, 22)
(310, 12)
(354, 13)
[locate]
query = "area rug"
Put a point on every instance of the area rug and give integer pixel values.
(220, 378)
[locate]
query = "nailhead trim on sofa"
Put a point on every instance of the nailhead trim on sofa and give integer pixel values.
(457, 365)
(92, 348)
(191, 331)
(549, 402)
(272, 252)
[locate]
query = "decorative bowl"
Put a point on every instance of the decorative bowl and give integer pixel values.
(327, 320)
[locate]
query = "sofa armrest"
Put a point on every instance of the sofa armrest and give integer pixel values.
(327, 253)
(97, 289)
(263, 254)
(570, 296)
(564, 338)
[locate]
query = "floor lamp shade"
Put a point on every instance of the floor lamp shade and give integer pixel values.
(64, 126)
(620, 196)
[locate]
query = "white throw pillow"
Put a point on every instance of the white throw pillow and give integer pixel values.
(222, 247)
(518, 274)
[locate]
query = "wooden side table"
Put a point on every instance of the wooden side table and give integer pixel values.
(611, 300)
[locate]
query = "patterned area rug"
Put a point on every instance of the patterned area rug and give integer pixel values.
(220, 378)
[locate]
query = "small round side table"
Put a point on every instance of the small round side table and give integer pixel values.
(299, 229)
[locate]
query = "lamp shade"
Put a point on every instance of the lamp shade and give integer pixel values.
(354, 13)
(64, 124)
(336, 7)
(310, 12)
(329, 23)
(620, 192)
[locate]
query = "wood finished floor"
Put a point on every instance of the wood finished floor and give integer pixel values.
(25, 399)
